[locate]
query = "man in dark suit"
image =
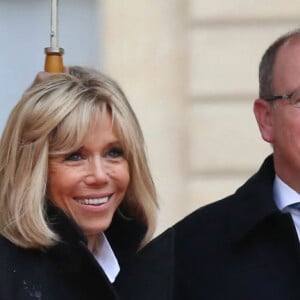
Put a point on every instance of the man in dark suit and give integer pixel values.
(245, 246)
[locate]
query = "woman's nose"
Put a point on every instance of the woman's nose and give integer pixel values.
(97, 173)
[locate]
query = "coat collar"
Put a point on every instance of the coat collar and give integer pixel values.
(67, 230)
(254, 201)
(124, 234)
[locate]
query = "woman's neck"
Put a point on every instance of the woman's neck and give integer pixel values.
(93, 242)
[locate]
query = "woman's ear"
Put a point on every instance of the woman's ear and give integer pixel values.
(263, 111)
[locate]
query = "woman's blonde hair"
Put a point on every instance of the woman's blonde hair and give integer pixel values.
(52, 118)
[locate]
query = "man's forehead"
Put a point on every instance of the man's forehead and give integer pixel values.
(286, 69)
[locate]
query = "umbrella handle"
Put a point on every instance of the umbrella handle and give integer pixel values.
(53, 60)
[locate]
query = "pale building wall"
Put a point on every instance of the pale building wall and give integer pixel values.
(189, 69)
(226, 40)
(144, 50)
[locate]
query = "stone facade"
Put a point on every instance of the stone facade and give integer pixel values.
(189, 69)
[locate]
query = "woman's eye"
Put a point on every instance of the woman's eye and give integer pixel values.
(296, 100)
(74, 156)
(115, 153)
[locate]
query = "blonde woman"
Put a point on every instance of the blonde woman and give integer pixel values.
(76, 195)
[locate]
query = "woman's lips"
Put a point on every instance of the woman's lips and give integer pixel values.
(93, 201)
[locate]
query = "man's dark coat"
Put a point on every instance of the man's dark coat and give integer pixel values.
(239, 248)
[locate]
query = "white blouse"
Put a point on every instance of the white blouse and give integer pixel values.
(106, 258)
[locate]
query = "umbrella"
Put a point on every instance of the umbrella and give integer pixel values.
(53, 60)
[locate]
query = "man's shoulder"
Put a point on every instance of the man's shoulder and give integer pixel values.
(209, 214)
(201, 224)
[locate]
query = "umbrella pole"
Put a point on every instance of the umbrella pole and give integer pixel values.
(53, 60)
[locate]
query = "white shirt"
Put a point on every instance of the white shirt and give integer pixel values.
(285, 196)
(107, 259)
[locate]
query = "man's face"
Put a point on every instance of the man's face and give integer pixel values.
(280, 124)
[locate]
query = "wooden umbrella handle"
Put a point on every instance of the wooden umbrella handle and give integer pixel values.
(54, 60)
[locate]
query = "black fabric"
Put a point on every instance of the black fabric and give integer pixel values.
(65, 271)
(241, 247)
(125, 236)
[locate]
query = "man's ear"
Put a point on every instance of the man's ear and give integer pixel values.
(263, 114)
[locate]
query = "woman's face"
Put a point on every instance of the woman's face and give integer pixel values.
(89, 184)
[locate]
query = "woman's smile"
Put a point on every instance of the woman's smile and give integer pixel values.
(93, 201)
(90, 183)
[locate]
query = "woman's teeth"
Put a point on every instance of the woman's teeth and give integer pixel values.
(93, 201)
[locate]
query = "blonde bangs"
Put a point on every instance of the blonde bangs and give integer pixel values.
(70, 133)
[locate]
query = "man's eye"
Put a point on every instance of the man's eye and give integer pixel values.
(74, 156)
(115, 153)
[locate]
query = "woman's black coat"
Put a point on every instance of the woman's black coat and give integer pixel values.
(67, 270)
